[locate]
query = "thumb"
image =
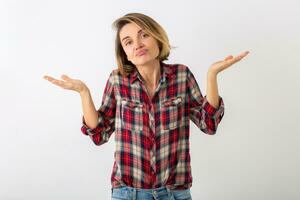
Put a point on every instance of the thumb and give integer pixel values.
(228, 57)
(65, 77)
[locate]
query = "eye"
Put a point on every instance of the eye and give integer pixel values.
(145, 35)
(128, 43)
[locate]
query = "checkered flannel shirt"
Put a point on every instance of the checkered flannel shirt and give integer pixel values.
(152, 135)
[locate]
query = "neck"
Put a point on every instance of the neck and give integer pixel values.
(150, 72)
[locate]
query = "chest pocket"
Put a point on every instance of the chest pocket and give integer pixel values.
(171, 113)
(132, 115)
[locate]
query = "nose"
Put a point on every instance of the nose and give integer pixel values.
(138, 44)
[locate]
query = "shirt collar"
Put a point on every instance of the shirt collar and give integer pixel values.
(167, 72)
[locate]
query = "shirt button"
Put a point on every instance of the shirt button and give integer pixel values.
(151, 117)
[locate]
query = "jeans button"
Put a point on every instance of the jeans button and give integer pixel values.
(154, 193)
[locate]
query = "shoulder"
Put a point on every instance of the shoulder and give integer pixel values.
(178, 67)
(112, 76)
(115, 72)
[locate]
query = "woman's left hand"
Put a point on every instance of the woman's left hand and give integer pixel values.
(219, 66)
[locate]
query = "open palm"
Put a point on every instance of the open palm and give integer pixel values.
(227, 62)
(67, 83)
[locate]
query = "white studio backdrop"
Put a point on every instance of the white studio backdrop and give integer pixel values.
(255, 152)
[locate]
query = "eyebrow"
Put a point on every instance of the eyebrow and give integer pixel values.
(128, 36)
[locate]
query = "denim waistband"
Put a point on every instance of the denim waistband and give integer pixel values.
(156, 192)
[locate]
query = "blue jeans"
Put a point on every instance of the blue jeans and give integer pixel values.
(163, 193)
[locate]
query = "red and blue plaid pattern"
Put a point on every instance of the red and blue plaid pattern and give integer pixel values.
(152, 135)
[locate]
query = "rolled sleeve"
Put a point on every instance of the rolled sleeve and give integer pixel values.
(216, 113)
(201, 112)
(91, 131)
(106, 116)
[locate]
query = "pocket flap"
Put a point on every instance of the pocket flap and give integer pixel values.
(173, 101)
(131, 103)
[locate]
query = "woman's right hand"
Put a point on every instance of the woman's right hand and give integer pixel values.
(68, 84)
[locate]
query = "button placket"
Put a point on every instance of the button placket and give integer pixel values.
(152, 125)
(152, 159)
(151, 118)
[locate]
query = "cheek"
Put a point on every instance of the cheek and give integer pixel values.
(128, 52)
(155, 46)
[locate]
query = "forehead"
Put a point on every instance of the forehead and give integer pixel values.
(129, 29)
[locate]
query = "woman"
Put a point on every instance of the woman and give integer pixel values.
(148, 104)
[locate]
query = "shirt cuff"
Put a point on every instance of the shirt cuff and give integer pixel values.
(87, 130)
(211, 110)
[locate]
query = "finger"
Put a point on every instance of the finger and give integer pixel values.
(55, 81)
(58, 82)
(229, 60)
(49, 78)
(246, 52)
(237, 58)
(243, 54)
(240, 56)
(229, 57)
(65, 77)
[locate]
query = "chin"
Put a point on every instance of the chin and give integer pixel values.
(144, 61)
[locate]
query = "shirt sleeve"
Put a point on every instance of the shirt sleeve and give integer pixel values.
(106, 116)
(202, 113)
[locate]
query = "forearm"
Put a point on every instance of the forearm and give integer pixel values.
(90, 114)
(212, 93)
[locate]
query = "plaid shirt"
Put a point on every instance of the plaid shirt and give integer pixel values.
(152, 135)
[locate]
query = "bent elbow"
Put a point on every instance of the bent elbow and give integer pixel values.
(99, 139)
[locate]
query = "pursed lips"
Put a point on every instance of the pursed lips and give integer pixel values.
(141, 52)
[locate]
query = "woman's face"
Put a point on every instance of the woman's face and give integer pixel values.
(138, 45)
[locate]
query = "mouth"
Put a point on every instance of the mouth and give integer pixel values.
(142, 52)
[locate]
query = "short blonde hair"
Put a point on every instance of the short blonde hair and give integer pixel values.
(152, 27)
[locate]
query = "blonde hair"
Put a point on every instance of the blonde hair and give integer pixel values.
(152, 27)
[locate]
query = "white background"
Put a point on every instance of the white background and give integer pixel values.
(255, 153)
